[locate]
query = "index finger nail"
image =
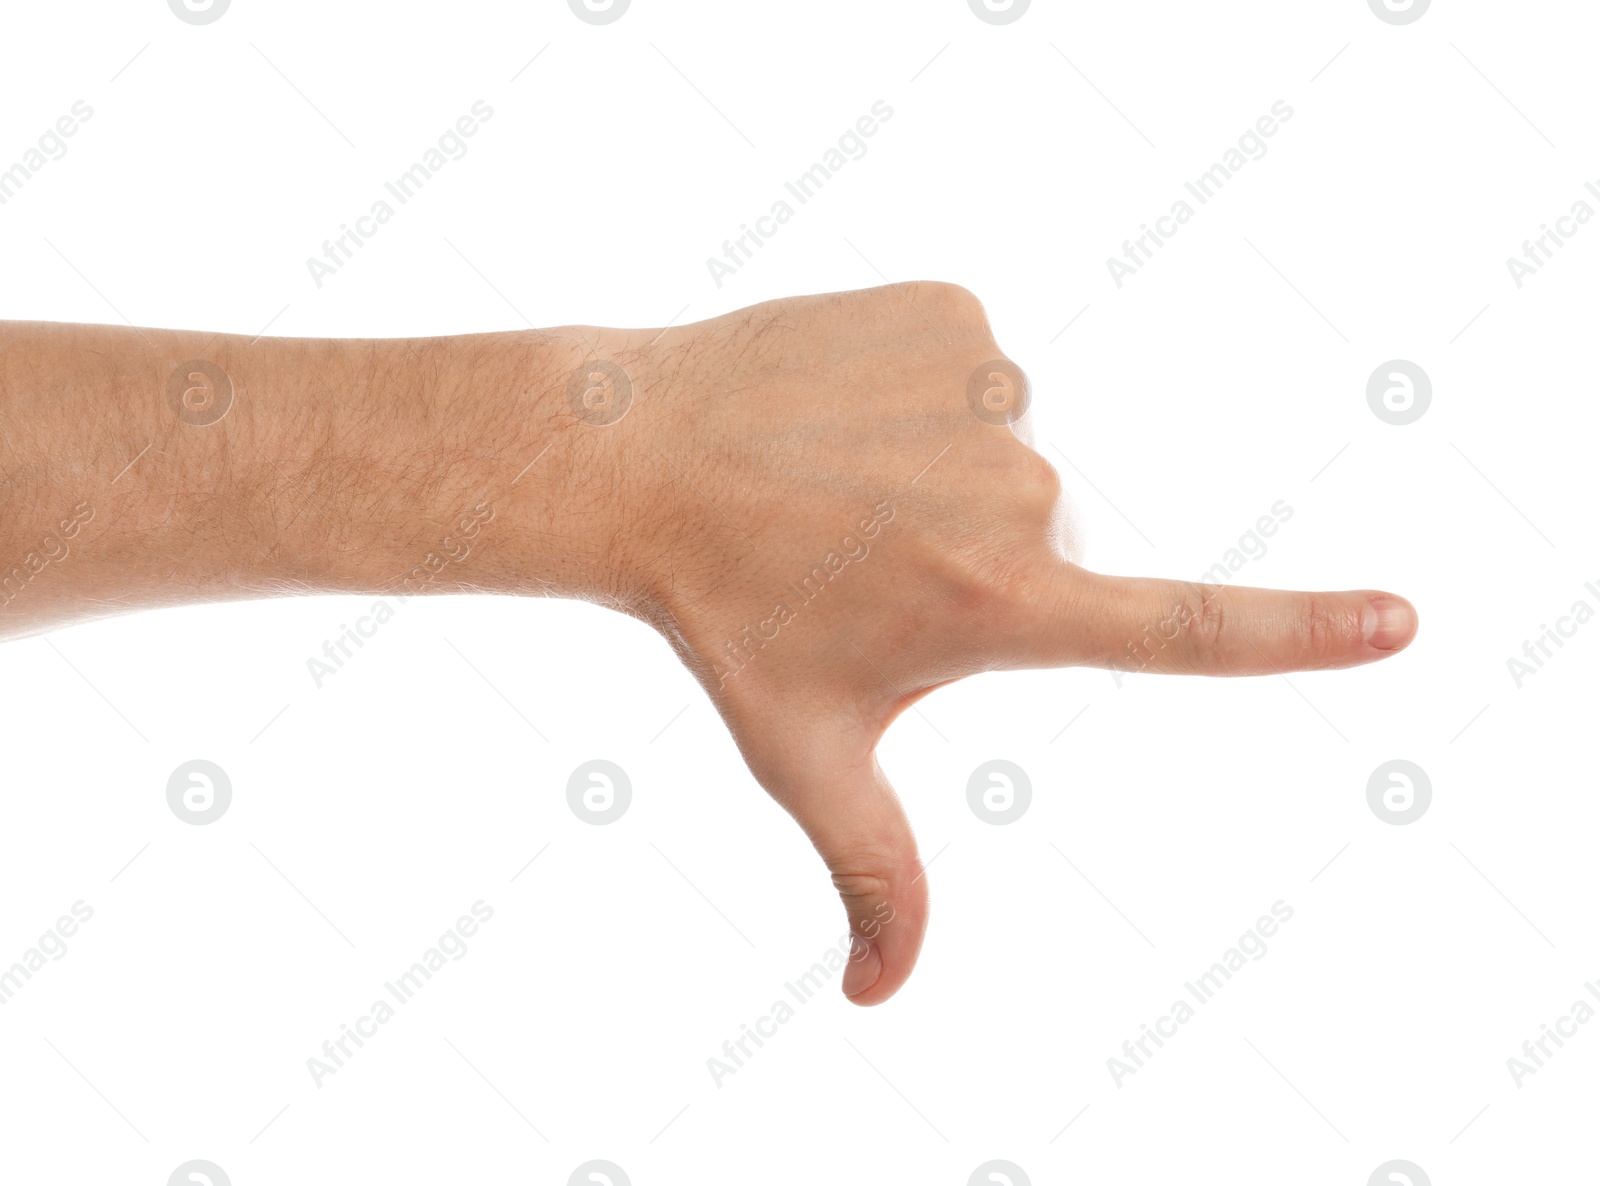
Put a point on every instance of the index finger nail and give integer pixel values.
(1388, 623)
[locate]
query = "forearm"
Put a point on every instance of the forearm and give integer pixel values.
(142, 468)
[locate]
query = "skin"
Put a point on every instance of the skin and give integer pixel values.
(839, 439)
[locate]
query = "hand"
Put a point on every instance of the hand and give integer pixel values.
(832, 512)
(827, 506)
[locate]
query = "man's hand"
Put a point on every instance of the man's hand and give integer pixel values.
(844, 515)
(827, 506)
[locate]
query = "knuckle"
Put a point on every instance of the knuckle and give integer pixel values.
(858, 888)
(1013, 468)
(1203, 616)
(1023, 586)
(956, 308)
(944, 293)
(989, 578)
(1323, 630)
(996, 612)
(1036, 478)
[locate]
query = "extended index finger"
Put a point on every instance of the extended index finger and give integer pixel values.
(1189, 628)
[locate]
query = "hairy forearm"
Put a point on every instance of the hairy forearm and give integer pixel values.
(142, 468)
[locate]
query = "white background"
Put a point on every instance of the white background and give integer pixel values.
(1228, 374)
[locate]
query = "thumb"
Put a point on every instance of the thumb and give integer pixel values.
(853, 817)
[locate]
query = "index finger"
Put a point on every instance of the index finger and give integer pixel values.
(1189, 628)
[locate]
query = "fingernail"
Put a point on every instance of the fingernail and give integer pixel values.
(864, 968)
(1388, 623)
